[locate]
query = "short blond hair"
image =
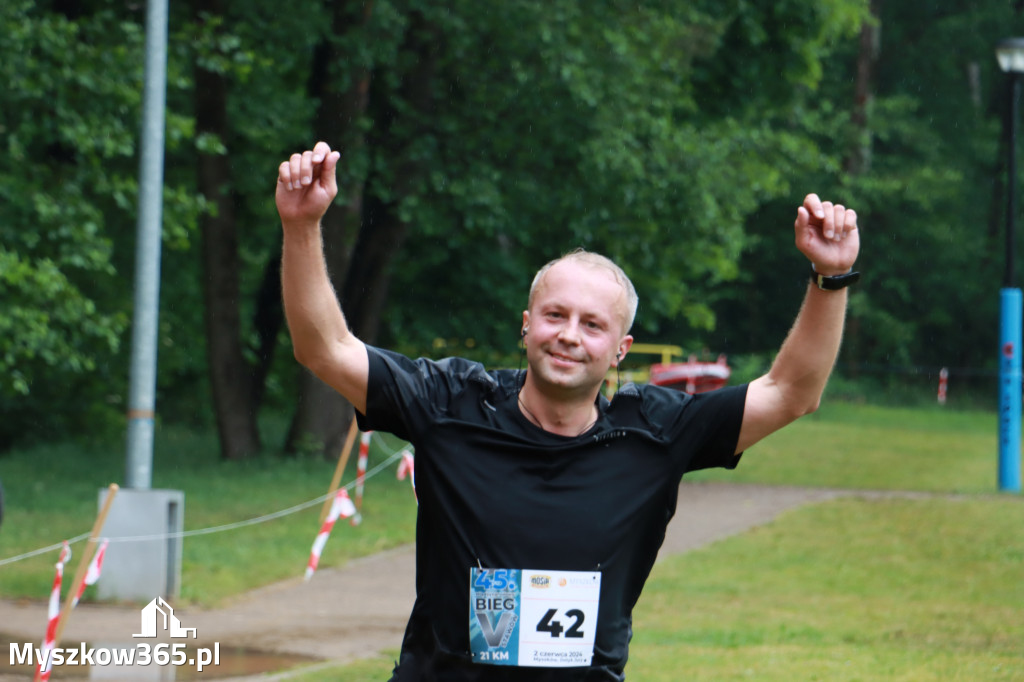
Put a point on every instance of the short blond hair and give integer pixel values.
(592, 259)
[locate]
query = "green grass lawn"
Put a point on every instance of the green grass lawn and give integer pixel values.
(847, 590)
(853, 589)
(872, 447)
(51, 495)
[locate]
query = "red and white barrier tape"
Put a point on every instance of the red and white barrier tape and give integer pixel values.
(53, 615)
(93, 573)
(342, 507)
(407, 467)
(361, 463)
(391, 459)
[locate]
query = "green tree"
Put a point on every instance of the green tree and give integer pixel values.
(478, 141)
(645, 132)
(66, 142)
(922, 161)
(68, 116)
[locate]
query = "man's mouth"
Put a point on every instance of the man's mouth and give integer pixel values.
(565, 359)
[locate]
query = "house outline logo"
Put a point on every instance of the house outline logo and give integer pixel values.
(159, 615)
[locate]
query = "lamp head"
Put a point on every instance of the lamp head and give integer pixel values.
(1010, 53)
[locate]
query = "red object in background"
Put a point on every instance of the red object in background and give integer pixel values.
(692, 376)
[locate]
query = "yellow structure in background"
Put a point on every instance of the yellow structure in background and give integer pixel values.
(642, 375)
(690, 375)
(665, 351)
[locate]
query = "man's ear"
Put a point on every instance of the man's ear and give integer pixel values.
(526, 324)
(624, 345)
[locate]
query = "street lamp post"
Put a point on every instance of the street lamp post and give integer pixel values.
(1010, 53)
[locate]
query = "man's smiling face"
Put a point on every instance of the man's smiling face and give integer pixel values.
(575, 327)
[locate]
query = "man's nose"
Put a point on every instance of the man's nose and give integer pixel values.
(570, 331)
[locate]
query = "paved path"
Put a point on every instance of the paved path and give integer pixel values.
(359, 609)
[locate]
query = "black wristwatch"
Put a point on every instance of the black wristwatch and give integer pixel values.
(835, 282)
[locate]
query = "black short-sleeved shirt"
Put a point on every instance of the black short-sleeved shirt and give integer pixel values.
(495, 490)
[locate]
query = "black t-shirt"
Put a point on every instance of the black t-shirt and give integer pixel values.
(496, 491)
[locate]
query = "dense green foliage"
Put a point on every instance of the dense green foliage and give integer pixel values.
(677, 138)
(65, 130)
(932, 198)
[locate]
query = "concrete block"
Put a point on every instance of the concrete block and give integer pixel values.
(149, 567)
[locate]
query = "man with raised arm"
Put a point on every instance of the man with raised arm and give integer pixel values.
(542, 505)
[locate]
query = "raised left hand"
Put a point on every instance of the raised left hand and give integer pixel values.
(827, 234)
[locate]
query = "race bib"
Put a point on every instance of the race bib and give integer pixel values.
(533, 618)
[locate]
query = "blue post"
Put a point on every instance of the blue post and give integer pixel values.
(1010, 300)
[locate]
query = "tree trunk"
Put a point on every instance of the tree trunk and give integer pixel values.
(321, 415)
(859, 159)
(267, 321)
(383, 232)
(231, 376)
(362, 275)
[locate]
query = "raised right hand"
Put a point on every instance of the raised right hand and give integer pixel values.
(306, 185)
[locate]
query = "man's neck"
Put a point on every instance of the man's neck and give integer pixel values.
(568, 415)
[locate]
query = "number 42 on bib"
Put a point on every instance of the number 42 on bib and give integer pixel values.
(533, 618)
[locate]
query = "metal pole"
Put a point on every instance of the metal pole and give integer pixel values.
(1010, 308)
(142, 390)
(1011, 189)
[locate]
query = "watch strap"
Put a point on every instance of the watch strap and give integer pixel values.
(834, 282)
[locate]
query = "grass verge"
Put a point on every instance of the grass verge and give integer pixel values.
(853, 589)
(847, 590)
(870, 447)
(51, 495)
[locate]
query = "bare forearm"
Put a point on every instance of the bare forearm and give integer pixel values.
(807, 356)
(827, 235)
(306, 186)
(311, 307)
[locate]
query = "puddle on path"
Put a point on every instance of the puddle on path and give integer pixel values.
(230, 661)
